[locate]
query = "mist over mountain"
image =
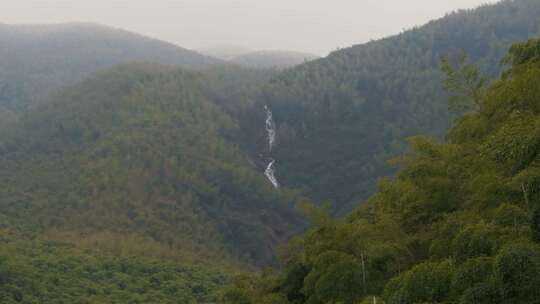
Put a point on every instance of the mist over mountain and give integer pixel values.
(152, 136)
(263, 59)
(458, 224)
(225, 52)
(36, 60)
(134, 170)
(273, 59)
(341, 117)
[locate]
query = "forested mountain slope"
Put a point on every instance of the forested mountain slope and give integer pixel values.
(166, 164)
(339, 118)
(38, 59)
(142, 156)
(459, 224)
(272, 59)
(36, 271)
(226, 52)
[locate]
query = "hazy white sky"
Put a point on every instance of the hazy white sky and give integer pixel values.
(317, 26)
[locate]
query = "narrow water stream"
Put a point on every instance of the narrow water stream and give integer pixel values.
(270, 126)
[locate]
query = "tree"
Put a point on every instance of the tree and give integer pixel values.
(428, 282)
(465, 84)
(517, 270)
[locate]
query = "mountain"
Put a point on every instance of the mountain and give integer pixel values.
(36, 60)
(142, 155)
(272, 59)
(262, 59)
(149, 153)
(460, 223)
(39, 271)
(225, 52)
(130, 174)
(341, 117)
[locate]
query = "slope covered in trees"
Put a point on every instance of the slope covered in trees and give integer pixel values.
(225, 52)
(164, 164)
(58, 272)
(259, 59)
(272, 59)
(142, 159)
(459, 223)
(339, 118)
(38, 59)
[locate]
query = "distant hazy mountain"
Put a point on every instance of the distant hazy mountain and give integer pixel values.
(158, 162)
(225, 52)
(38, 59)
(339, 118)
(258, 59)
(273, 59)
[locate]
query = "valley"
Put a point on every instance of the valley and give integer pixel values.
(401, 170)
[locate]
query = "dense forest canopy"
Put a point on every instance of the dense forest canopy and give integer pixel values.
(57, 272)
(272, 59)
(141, 151)
(36, 60)
(258, 59)
(143, 181)
(459, 224)
(339, 118)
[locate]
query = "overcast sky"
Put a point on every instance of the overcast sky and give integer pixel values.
(317, 26)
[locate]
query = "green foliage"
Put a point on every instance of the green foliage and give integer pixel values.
(483, 293)
(142, 154)
(164, 164)
(341, 117)
(472, 277)
(456, 225)
(56, 272)
(292, 284)
(235, 295)
(525, 52)
(335, 277)
(510, 216)
(40, 60)
(476, 241)
(425, 283)
(342, 282)
(372, 300)
(517, 269)
(535, 224)
(465, 84)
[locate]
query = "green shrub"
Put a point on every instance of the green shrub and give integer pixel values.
(426, 282)
(517, 270)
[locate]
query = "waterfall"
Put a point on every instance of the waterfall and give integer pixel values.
(270, 126)
(269, 173)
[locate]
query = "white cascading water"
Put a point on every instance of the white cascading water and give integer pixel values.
(270, 128)
(271, 132)
(269, 172)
